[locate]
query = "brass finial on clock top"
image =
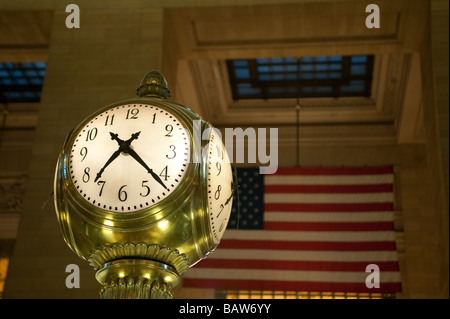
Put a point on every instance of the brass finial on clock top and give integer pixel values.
(139, 195)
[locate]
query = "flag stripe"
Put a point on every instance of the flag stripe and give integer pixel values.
(246, 284)
(314, 171)
(306, 245)
(369, 257)
(329, 198)
(292, 265)
(292, 275)
(328, 180)
(329, 217)
(329, 189)
(329, 207)
(324, 226)
(309, 236)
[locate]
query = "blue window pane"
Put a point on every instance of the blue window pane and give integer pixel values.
(264, 77)
(290, 60)
(17, 73)
(291, 68)
(262, 61)
(306, 67)
(12, 95)
(336, 58)
(278, 77)
(321, 76)
(359, 59)
(321, 67)
(321, 59)
(358, 69)
(31, 73)
(277, 68)
(40, 65)
(21, 81)
(306, 76)
(3, 73)
(28, 95)
(42, 73)
(240, 63)
(263, 68)
(335, 75)
(36, 81)
(306, 59)
(307, 89)
(354, 87)
(242, 73)
(7, 81)
(291, 76)
(8, 65)
(276, 60)
(247, 89)
(335, 66)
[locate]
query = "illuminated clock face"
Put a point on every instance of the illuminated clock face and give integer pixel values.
(220, 188)
(129, 157)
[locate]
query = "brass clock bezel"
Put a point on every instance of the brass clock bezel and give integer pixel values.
(146, 215)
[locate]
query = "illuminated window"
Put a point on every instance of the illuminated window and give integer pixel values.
(266, 294)
(288, 77)
(21, 82)
(3, 269)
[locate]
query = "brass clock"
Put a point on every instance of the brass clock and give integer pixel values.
(138, 196)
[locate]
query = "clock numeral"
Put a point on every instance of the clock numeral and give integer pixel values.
(146, 187)
(164, 173)
(221, 209)
(122, 194)
(169, 129)
(132, 114)
(91, 134)
(86, 176)
(109, 120)
(83, 152)
(221, 227)
(217, 193)
(219, 168)
(101, 188)
(172, 147)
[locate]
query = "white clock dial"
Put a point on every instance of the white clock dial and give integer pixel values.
(220, 188)
(129, 157)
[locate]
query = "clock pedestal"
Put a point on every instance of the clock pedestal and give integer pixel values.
(150, 274)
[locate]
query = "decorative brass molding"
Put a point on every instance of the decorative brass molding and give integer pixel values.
(130, 288)
(172, 257)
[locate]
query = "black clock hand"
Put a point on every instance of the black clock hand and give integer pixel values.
(234, 187)
(124, 144)
(123, 147)
(112, 158)
(140, 161)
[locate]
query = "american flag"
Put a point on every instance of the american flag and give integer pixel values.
(306, 229)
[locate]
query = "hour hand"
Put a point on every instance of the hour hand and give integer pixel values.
(149, 170)
(112, 158)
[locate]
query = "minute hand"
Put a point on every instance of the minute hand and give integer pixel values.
(149, 170)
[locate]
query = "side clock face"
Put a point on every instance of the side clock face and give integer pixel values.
(220, 187)
(129, 157)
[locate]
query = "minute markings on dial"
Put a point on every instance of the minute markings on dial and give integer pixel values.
(92, 141)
